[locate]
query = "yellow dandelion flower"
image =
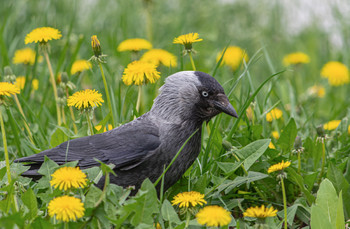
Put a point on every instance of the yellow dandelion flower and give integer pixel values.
(98, 127)
(21, 81)
(8, 89)
(160, 56)
(188, 199)
(137, 71)
(336, 73)
(66, 208)
(275, 113)
(316, 90)
(279, 166)
(250, 113)
(68, 177)
(260, 212)
(233, 57)
(135, 44)
(275, 134)
(79, 66)
(35, 84)
(272, 146)
(331, 125)
(25, 56)
(349, 129)
(296, 58)
(85, 99)
(42, 35)
(213, 216)
(187, 40)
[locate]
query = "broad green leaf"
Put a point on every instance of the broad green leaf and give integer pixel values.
(92, 196)
(253, 152)
(29, 200)
(336, 177)
(48, 167)
(169, 214)
(291, 211)
(340, 221)
(251, 177)
(319, 218)
(229, 167)
(140, 209)
(58, 137)
(201, 184)
(288, 135)
(327, 199)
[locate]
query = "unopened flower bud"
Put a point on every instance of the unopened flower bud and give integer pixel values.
(320, 131)
(95, 44)
(60, 92)
(298, 144)
(8, 75)
(64, 77)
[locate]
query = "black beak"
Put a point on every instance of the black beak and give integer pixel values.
(223, 104)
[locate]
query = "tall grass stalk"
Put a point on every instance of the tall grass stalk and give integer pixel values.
(107, 94)
(53, 82)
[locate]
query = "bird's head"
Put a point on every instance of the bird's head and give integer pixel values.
(191, 95)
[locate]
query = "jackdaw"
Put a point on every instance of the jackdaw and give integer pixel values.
(143, 147)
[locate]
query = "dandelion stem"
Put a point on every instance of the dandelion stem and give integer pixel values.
(53, 82)
(192, 62)
(323, 162)
(138, 103)
(7, 161)
(107, 94)
(188, 216)
(299, 162)
(63, 115)
(284, 203)
(24, 119)
(148, 8)
(89, 123)
(72, 114)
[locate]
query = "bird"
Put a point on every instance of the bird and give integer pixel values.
(143, 147)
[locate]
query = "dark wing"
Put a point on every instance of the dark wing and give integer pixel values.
(125, 147)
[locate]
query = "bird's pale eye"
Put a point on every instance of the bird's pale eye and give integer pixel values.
(205, 94)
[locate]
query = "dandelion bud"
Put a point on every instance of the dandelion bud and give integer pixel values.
(298, 144)
(227, 145)
(64, 77)
(8, 75)
(95, 44)
(60, 92)
(320, 131)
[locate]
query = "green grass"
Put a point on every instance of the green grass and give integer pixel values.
(231, 169)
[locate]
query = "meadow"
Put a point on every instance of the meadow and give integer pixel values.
(283, 163)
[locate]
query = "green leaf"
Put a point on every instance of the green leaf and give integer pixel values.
(29, 200)
(140, 209)
(92, 197)
(288, 135)
(329, 207)
(252, 176)
(229, 167)
(336, 177)
(299, 180)
(48, 167)
(340, 221)
(319, 219)
(169, 214)
(252, 152)
(58, 137)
